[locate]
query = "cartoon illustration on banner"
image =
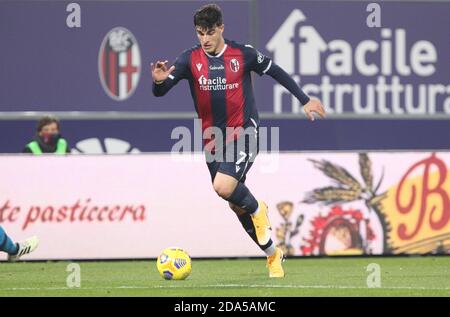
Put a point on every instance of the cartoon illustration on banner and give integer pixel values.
(410, 216)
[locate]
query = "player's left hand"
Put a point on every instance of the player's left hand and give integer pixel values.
(314, 106)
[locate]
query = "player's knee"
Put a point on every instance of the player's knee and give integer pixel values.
(223, 190)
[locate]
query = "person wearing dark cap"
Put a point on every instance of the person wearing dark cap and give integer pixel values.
(48, 138)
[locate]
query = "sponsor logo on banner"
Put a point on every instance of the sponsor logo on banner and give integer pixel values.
(418, 208)
(119, 64)
(390, 71)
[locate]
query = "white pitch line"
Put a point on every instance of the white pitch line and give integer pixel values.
(225, 286)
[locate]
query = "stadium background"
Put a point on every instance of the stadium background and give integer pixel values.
(48, 67)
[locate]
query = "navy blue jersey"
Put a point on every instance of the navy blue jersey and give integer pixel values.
(221, 85)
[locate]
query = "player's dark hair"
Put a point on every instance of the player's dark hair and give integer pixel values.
(208, 17)
(46, 121)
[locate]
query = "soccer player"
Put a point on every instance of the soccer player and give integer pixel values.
(16, 250)
(219, 75)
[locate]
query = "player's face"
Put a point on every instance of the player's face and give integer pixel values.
(211, 40)
(49, 129)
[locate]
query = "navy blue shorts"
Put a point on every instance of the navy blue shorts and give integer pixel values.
(236, 158)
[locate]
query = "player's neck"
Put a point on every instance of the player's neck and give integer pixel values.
(219, 48)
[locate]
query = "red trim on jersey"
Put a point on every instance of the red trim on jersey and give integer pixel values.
(234, 73)
(203, 97)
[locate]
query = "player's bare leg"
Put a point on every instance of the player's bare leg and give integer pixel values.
(224, 185)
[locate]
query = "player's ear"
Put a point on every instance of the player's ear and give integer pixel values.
(221, 28)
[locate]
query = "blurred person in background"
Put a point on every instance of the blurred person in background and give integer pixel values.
(48, 138)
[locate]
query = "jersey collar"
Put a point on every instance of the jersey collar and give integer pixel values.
(218, 55)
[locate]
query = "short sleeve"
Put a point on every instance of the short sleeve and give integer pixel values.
(259, 63)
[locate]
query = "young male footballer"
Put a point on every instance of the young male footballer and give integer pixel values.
(219, 75)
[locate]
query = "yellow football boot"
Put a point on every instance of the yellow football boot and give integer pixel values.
(274, 264)
(262, 224)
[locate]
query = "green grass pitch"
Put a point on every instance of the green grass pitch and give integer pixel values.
(403, 276)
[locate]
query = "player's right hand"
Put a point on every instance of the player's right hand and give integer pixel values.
(160, 71)
(314, 106)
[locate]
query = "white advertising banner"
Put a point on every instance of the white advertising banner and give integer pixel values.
(134, 206)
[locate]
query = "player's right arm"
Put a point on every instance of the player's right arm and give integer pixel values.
(164, 77)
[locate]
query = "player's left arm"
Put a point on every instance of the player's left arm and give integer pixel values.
(262, 64)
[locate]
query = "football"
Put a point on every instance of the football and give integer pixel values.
(174, 264)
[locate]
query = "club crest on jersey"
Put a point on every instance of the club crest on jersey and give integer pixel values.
(199, 66)
(119, 64)
(234, 65)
